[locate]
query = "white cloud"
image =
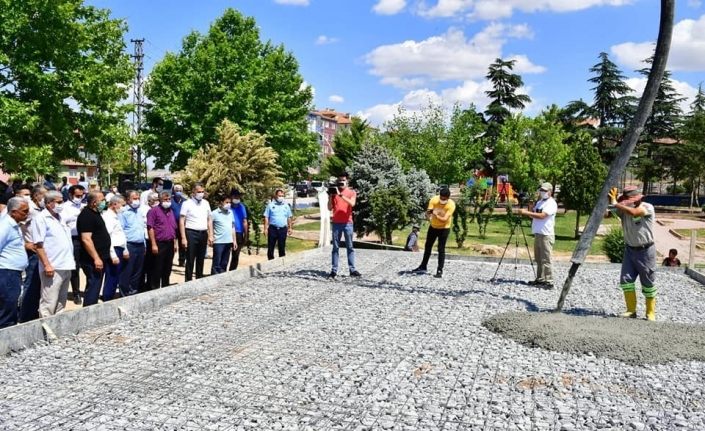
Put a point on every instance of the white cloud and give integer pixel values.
(683, 88)
(335, 98)
(687, 48)
(293, 2)
(325, 40)
(389, 7)
(497, 9)
(450, 56)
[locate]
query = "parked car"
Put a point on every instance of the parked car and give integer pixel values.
(302, 189)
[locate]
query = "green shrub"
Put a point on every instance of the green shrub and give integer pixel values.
(614, 245)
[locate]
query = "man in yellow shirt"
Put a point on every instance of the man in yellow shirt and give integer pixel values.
(440, 213)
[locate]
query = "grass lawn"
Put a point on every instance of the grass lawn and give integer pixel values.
(686, 233)
(293, 245)
(498, 234)
(306, 211)
(313, 226)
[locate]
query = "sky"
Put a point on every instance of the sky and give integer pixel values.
(371, 57)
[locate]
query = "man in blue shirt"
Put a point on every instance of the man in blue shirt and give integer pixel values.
(223, 228)
(13, 260)
(133, 225)
(239, 211)
(177, 199)
(277, 224)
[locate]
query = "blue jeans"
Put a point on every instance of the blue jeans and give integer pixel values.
(10, 288)
(221, 256)
(112, 275)
(347, 230)
(131, 275)
(94, 281)
(31, 290)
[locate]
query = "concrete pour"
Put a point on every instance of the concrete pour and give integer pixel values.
(628, 340)
(295, 351)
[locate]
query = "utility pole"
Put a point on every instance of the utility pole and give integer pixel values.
(139, 161)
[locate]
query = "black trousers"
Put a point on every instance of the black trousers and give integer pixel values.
(195, 252)
(146, 278)
(182, 249)
(276, 236)
(240, 237)
(161, 264)
(431, 236)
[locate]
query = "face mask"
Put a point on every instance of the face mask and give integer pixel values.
(159, 189)
(122, 209)
(280, 199)
(179, 195)
(543, 194)
(42, 204)
(101, 206)
(58, 209)
(236, 201)
(443, 202)
(135, 204)
(154, 204)
(77, 201)
(225, 208)
(199, 196)
(166, 205)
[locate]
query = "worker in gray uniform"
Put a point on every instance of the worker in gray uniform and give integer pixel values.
(639, 252)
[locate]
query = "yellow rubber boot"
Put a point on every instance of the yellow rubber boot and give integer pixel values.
(651, 309)
(630, 300)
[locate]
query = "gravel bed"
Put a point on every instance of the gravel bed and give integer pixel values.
(392, 350)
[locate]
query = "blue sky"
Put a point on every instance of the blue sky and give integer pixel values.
(370, 57)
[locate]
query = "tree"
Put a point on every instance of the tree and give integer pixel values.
(503, 99)
(532, 150)
(228, 73)
(613, 104)
(421, 189)
(582, 177)
(240, 160)
(63, 76)
(654, 159)
(346, 145)
(692, 150)
(698, 105)
(389, 210)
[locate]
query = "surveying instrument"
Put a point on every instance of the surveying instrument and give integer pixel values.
(515, 221)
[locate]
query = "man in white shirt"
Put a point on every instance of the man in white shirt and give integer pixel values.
(157, 187)
(194, 225)
(54, 248)
(31, 288)
(543, 215)
(71, 209)
(118, 246)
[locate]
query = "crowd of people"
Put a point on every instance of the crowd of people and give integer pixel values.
(124, 244)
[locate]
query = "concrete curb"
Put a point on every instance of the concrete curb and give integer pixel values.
(696, 275)
(70, 323)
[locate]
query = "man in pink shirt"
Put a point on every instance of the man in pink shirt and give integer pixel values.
(341, 205)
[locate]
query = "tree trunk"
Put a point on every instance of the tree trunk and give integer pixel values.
(577, 225)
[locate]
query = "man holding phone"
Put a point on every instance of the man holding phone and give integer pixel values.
(440, 213)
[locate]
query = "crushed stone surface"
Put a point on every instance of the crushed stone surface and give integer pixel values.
(390, 351)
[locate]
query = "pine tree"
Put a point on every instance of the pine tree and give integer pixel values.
(503, 98)
(613, 104)
(698, 105)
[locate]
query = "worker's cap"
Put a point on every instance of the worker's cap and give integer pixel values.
(545, 187)
(630, 194)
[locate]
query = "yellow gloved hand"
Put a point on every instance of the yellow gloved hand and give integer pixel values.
(614, 191)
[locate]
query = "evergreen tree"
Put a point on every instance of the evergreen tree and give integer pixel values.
(653, 159)
(613, 104)
(698, 105)
(346, 145)
(503, 98)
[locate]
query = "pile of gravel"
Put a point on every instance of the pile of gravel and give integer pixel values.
(633, 341)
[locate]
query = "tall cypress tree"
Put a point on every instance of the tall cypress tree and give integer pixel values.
(613, 104)
(503, 98)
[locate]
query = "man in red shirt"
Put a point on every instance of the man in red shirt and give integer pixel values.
(341, 206)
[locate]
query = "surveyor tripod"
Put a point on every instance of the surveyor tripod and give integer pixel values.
(515, 223)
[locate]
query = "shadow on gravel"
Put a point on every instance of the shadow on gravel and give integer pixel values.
(633, 341)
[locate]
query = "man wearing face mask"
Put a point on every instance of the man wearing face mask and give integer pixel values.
(638, 219)
(134, 226)
(95, 245)
(223, 227)
(543, 222)
(157, 187)
(341, 205)
(161, 226)
(119, 254)
(71, 209)
(440, 212)
(239, 211)
(277, 224)
(194, 223)
(52, 241)
(31, 288)
(13, 259)
(176, 201)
